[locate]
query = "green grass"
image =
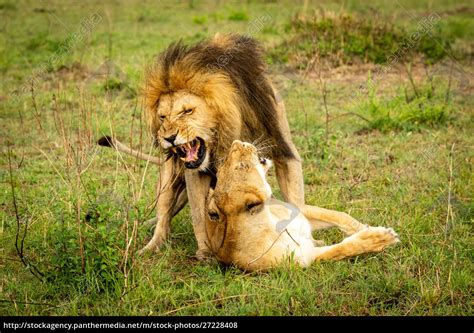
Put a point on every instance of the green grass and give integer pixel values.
(406, 111)
(384, 157)
(348, 38)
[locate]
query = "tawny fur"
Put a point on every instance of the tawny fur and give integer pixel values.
(247, 227)
(216, 90)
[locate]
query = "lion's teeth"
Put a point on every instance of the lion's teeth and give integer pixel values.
(182, 159)
(173, 149)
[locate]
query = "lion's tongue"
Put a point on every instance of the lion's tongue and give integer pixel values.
(191, 154)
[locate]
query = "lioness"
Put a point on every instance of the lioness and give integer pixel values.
(247, 227)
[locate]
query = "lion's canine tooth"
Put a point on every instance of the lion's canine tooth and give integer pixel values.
(173, 149)
(182, 159)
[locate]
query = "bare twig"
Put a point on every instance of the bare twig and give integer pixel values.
(28, 303)
(449, 210)
(35, 107)
(19, 249)
(408, 68)
(448, 91)
(205, 302)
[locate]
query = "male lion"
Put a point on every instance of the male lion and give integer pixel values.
(247, 227)
(199, 99)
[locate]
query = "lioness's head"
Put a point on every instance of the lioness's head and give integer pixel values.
(241, 186)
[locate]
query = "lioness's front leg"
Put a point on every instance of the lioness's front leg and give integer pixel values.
(197, 185)
(170, 185)
(321, 218)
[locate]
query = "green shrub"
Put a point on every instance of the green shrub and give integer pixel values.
(346, 38)
(238, 16)
(101, 252)
(403, 112)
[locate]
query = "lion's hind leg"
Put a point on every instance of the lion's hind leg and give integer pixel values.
(370, 239)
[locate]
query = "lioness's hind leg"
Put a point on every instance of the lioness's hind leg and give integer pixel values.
(321, 218)
(371, 239)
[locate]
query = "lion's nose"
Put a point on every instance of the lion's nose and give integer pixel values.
(171, 138)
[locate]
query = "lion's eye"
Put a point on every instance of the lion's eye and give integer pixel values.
(188, 111)
(162, 117)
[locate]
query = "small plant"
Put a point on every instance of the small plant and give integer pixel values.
(238, 16)
(345, 38)
(200, 20)
(102, 253)
(404, 112)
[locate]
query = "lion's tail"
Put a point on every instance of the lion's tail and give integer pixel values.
(107, 141)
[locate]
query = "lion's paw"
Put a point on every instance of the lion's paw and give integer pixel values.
(151, 247)
(204, 255)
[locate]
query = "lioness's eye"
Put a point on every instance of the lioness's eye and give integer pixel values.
(188, 111)
(252, 205)
(214, 216)
(162, 118)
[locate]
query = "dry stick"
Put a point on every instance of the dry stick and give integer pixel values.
(449, 210)
(324, 92)
(349, 114)
(448, 92)
(28, 303)
(78, 222)
(35, 107)
(33, 269)
(131, 126)
(204, 302)
(430, 78)
(410, 78)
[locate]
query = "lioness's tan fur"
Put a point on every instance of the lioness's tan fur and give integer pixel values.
(247, 227)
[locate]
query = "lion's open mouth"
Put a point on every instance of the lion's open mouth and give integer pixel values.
(192, 153)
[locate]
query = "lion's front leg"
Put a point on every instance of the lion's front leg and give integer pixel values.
(289, 171)
(197, 185)
(290, 179)
(171, 184)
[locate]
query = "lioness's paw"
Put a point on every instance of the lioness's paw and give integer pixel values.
(375, 239)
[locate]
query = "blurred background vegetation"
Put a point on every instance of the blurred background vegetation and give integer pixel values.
(382, 120)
